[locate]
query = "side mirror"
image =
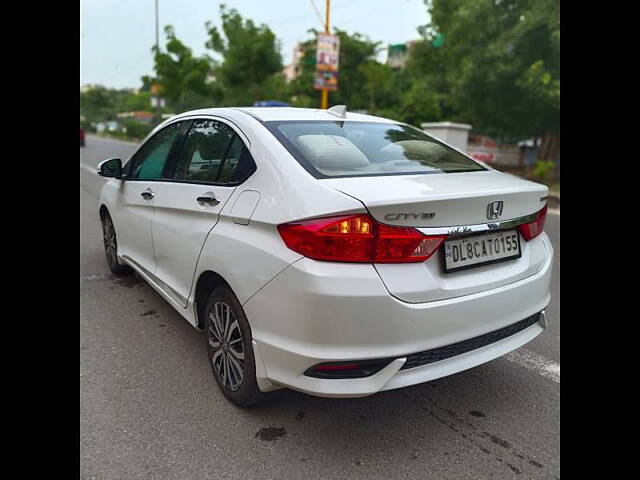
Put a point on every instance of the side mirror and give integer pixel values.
(110, 168)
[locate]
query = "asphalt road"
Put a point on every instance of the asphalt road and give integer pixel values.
(150, 409)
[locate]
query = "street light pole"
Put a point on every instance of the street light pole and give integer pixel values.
(324, 100)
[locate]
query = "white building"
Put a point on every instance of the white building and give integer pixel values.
(292, 70)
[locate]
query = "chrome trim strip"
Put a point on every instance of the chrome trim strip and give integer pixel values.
(193, 116)
(482, 227)
(206, 116)
(544, 323)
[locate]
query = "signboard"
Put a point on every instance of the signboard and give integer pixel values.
(327, 61)
(326, 81)
(327, 52)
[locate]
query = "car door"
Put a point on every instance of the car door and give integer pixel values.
(137, 197)
(212, 162)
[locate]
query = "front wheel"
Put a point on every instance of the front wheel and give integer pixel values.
(230, 350)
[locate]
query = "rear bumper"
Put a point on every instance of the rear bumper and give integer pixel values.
(316, 312)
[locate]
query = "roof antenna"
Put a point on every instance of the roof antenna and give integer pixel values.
(338, 111)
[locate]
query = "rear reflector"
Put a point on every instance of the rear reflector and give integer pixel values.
(358, 238)
(531, 230)
(337, 370)
(328, 368)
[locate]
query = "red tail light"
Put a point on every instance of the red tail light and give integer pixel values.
(531, 230)
(358, 238)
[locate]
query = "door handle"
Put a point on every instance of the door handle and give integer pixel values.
(148, 194)
(208, 198)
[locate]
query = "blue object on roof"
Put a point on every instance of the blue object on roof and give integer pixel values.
(270, 103)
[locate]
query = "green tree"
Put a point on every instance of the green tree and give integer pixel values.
(185, 80)
(101, 104)
(377, 81)
(96, 104)
(428, 87)
(502, 65)
(147, 80)
(140, 101)
(251, 67)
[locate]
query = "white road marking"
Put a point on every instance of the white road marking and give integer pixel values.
(89, 168)
(536, 363)
(94, 278)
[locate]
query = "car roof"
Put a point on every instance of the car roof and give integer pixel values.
(266, 114)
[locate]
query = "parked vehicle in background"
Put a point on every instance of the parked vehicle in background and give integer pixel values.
(333, 253)
(270, 103)
(82, 137)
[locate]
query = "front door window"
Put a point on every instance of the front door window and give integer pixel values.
(148, 163)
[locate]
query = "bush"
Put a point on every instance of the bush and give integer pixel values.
(137, 130)
(543, 170)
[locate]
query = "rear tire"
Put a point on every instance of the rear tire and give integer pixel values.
(111, 246)
(230, 349)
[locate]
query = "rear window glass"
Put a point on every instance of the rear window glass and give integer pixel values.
(348, 149)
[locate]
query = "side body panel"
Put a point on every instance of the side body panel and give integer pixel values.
(180, 228)
(132, 217)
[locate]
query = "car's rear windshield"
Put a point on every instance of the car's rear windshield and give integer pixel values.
(329, 149)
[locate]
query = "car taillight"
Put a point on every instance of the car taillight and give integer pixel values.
(531, 230)
(358, 238)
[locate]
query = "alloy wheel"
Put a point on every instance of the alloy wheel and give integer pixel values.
(225, 340)
(109, 238)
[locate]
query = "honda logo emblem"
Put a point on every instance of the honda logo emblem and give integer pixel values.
(494, 209)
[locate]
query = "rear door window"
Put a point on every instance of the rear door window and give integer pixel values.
(213, 153)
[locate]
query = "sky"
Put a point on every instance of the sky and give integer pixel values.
(116, 36)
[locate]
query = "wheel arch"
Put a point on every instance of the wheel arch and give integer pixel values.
(103, 209)
(207, 282)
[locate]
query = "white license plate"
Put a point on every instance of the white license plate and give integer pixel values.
(482, 249)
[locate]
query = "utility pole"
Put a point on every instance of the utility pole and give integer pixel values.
(324, 101)
(157, 51)
(157, 37)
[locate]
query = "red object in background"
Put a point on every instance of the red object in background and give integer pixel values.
(483, 157)
(482, 141)
(82, 137)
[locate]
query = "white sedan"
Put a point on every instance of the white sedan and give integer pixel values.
(332, 253)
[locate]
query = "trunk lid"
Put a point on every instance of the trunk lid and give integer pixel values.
(442, 200)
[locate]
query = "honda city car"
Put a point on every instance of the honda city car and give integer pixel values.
(333, 253)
